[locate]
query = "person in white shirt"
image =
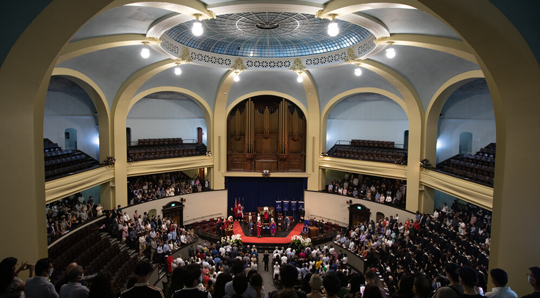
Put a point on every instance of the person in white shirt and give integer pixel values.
(284, 259)
(499, 278)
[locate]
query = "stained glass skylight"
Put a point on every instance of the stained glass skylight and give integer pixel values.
(268, 35)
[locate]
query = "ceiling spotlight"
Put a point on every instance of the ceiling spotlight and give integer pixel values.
(177, 70)
(236, 77)
(358, 71)
(333, 28)
(197, 29)
(390, 52)
(299, 79)
(145, 52)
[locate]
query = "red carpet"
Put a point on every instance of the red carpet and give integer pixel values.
(237, 229)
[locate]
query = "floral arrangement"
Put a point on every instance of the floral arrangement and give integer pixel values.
(299, 242)
(232, 240)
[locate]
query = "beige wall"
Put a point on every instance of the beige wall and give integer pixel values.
(198, 206)
(334, 208)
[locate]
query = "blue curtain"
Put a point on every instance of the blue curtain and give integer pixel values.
(260, 192)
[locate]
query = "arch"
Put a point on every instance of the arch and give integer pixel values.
(208, 116)
(274, 93)
(435, 106)
(100, 102)
(338, 98)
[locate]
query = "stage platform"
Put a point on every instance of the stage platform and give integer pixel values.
(267, 239)
(284, 237)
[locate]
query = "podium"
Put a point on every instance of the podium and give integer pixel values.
(313, 232)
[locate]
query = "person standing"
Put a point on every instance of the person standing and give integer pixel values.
(10, 283)
(143, 270)
(273, 228)
(266, 259)
(74, 288)
(259, 228)
(534, 280)
(39, 286)
(499, 278)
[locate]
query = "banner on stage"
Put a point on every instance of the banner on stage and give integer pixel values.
(300, 205)
(293, 205)
(278, 206)
(285, 206)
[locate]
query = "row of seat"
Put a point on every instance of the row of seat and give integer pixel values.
(473, 176)
(479, 167)
(117, 261)
(71, 239)
(372, 143)
(69, 169)
(137, 154)
(159, 142)
(48, 144)
(472, 167)
(67, 160)
(103, 258)
(123, 274)
(388, 156)
(93, 250)
(54, 153)
(73, 252)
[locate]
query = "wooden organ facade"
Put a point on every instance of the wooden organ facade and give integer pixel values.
(266, 133)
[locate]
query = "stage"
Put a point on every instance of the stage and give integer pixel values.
(266, 239)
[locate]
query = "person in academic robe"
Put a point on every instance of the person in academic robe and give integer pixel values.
(273, 228)
(251, 226)
(259, 228)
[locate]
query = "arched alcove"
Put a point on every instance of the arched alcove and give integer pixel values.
(266, 133)
(469, 109)
(71, 117)
(366, 116)
(166, 115)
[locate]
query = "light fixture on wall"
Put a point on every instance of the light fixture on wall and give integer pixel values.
(177, 70)
(184, 58)
(197, 28)
(145, 52)
(298, 68)
(352, 58)
(390, 52)
(333, 28)
(237, 68)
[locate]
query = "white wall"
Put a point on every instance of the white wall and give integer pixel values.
(366, 116)
(198, 206)
(469, 109)
(334, 208)
(165, 118)
(71, 110)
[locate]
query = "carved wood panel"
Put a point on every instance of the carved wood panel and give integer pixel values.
(266, 133)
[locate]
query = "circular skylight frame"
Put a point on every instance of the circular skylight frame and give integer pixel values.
(296, 35)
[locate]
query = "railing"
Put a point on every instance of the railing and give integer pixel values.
(184, 142)
(346, 142)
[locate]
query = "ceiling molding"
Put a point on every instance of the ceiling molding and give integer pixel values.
(188, 7)
(257, 6)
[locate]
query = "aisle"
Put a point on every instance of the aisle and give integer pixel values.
(237, 229)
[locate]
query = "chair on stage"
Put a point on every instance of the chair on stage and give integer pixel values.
(335, 228)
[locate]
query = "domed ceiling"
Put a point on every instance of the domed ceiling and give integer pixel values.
(268, 35)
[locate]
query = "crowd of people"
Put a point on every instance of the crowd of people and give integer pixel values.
(151, 236)
(66, 214)
(424, 244)
(381, 190)
(152, 187)
(205, 275)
